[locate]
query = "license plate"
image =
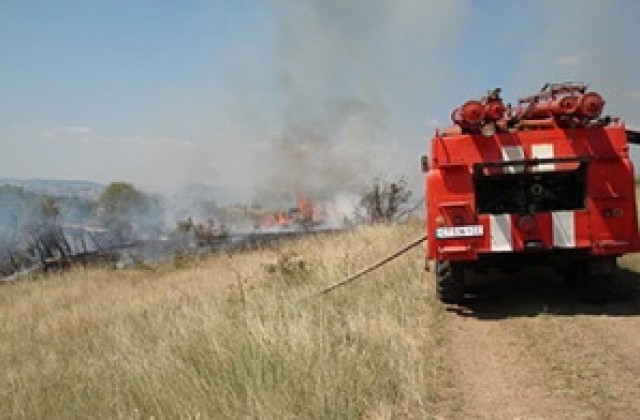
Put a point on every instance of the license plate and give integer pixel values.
(459, 231)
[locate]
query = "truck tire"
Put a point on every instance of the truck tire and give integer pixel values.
(449, 281)
(597, 289)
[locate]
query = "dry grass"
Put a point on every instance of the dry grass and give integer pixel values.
(228, 337)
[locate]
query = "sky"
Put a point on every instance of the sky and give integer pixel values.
(282, 94)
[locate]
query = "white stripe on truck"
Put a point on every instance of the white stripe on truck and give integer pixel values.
(563, 222)
(564, 229)
(543, 151)
(500, 230)
(510, 153)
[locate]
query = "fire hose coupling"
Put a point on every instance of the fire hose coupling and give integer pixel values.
(536, 189)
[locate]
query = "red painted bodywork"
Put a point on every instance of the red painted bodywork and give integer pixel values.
(450, 198)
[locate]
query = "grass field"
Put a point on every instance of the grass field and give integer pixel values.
(227, 336)
(232, 336)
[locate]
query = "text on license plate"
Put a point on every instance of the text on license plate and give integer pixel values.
(459, 231)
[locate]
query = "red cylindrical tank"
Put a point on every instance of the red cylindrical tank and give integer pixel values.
(494, 110)
(566, 105)
(591, 105)
(469, 114)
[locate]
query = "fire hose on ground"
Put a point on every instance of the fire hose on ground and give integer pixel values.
(372, 267)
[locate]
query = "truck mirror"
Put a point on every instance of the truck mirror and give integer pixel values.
(633, 136)
(425, 163)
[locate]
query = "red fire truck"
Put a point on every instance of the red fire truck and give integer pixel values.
(548, 182)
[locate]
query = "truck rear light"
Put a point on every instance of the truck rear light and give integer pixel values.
(440, 221)
(526, 223)
(611, 213)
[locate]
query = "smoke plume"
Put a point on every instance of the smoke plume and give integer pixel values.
(349, 70)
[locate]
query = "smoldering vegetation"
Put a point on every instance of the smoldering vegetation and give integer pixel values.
(125, 226)
(121, 225)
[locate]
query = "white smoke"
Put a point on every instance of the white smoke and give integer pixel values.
(355, 78)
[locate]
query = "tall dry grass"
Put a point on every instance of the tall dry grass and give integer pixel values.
(227, 336)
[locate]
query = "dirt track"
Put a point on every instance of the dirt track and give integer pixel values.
(530, 349)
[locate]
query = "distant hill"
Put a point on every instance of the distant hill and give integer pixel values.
(68, 188)
(89, 189)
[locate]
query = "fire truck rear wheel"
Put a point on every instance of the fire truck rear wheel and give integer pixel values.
(450, 281)
(597, 289)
